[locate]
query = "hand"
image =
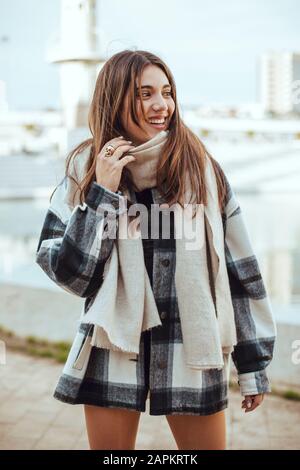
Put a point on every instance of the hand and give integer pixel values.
(109, 169)
(253, 400)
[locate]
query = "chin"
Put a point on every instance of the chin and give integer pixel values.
(148, 133)
(152, 132)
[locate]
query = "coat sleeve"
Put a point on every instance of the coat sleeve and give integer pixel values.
(255, 325)
(75, 243)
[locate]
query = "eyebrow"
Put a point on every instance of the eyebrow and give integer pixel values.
(151, 87)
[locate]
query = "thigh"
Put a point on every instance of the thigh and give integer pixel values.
(199, 432)
(111, 428)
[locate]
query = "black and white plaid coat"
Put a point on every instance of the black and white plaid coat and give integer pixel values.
(69, 254)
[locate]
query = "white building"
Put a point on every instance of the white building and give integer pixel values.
(3, 97)
(279, 80)
(77, 52)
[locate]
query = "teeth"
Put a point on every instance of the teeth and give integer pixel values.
(157, 121)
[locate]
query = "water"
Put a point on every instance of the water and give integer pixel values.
(22, 216)
(20, 227)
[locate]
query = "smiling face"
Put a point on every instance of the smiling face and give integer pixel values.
(158, 105)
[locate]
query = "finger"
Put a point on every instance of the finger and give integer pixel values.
(249, 408)
(248, 405)
(115, 143)
(127, 159)
(252, 408)
(248, 398)
(119, 142)
(116, 140)
(256, 400)
(119, 152)
(247, 402)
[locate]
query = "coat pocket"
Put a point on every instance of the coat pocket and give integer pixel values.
(84, 351)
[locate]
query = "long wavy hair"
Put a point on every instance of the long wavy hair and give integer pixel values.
(183, 151)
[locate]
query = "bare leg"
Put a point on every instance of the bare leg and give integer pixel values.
(111, 428)
(199, 432)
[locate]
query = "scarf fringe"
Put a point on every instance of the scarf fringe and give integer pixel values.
(205, 366)
(101, 339)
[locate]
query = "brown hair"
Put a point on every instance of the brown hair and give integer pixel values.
(183, 151)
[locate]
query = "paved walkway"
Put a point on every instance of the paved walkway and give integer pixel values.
(31, 419)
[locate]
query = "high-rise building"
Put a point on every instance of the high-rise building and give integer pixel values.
(280, 82)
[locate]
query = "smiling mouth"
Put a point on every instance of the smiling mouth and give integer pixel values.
(158, 124)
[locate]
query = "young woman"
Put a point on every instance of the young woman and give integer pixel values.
(134, 108)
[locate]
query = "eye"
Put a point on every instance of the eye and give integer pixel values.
(145, 94)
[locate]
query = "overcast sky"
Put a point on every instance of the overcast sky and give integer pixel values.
(212, 47)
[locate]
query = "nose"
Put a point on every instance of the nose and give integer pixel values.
(160, 104)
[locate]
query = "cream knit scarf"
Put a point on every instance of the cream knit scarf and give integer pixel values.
(125, 306)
